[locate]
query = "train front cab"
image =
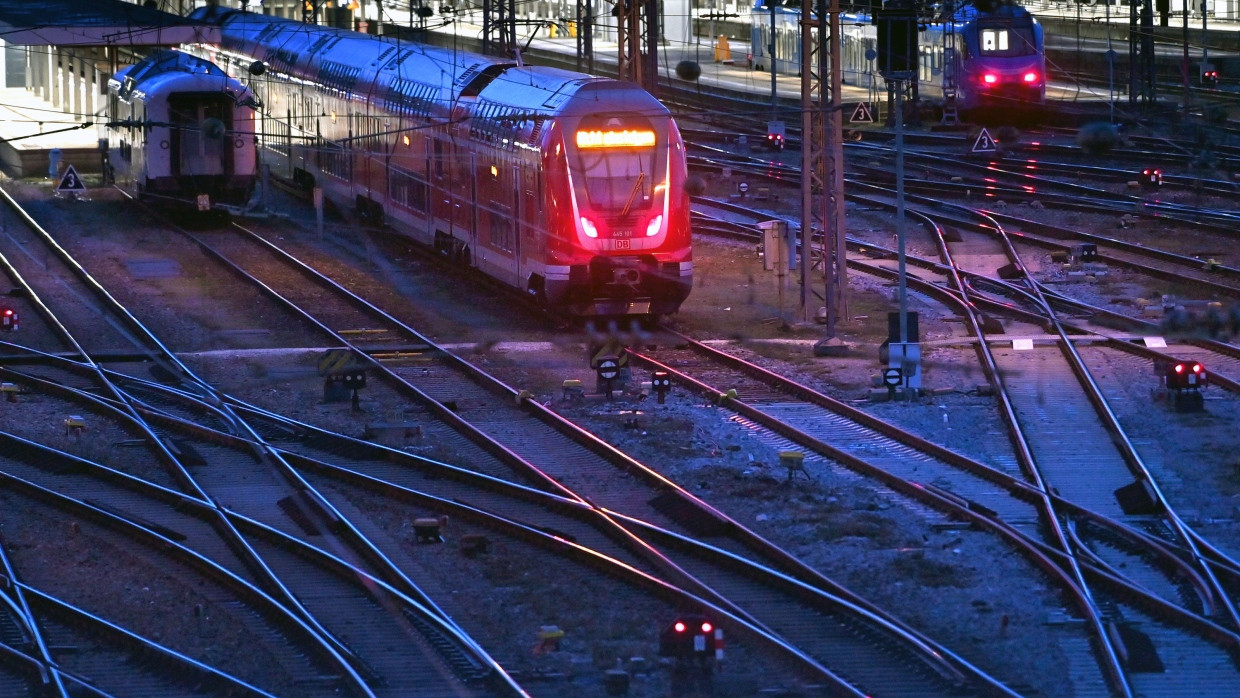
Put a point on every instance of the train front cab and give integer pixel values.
(619, 240)
(1001, 63)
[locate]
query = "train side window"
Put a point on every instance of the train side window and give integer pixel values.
(438, 158)
(406, 189)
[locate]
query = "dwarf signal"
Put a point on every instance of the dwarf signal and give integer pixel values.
(1151, 178)
(1186, 376)
(690, 637)
(8, 319)
(1184, 380)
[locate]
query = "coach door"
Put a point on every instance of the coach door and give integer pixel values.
(198, 143)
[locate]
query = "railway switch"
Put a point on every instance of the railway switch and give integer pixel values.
(1151, 178)
(429, 529)
(794, 461)
(8, 319)
(74, 425)
(573, 390)
(662, 383)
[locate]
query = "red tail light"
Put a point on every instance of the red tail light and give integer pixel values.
(990, 78)
(1031, 77)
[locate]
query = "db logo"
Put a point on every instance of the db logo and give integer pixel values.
(622, 244)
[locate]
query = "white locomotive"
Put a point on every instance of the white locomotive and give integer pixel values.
(181, 131)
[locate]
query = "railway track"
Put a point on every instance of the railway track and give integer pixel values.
(273, 576)
(545, 449)
(763, 594)
(1069, 457)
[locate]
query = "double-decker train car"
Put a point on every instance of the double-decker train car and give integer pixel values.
(565, 186)
(981, 53)
(179, 130)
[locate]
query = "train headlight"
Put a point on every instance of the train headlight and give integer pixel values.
(655, 225)
(588, 226)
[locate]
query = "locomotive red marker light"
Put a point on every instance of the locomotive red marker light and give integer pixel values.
(990, 78)
(706, 627)
(1031, 76)
(615, 139)
(1179, 368)
(680, 627)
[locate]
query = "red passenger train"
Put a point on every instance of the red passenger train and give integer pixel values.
(566, 186)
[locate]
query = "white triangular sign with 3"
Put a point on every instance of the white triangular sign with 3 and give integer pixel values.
(984, 143)
(70, 181)
(862, 114)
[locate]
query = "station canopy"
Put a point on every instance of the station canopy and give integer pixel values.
(96, 23)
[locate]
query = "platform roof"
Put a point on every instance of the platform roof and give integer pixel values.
(96, 23)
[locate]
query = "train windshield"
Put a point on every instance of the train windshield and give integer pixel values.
(619, 163)
(1004, 39)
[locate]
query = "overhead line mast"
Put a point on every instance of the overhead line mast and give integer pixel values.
(635, 65)
(822, 162)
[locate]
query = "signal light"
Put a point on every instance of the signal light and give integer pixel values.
(689, 637)
(662, 384)
(1186, 376)
(1209, 78)
(8, 319)
(1151, 178)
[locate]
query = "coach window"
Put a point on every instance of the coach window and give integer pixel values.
(406, 189)
(994, 41)
(1006, 41)
(200, 153)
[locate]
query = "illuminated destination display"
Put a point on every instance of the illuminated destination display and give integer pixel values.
(615, 139)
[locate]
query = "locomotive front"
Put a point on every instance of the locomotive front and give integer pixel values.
(1007, 66)
(619, 209)
(181, 131)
